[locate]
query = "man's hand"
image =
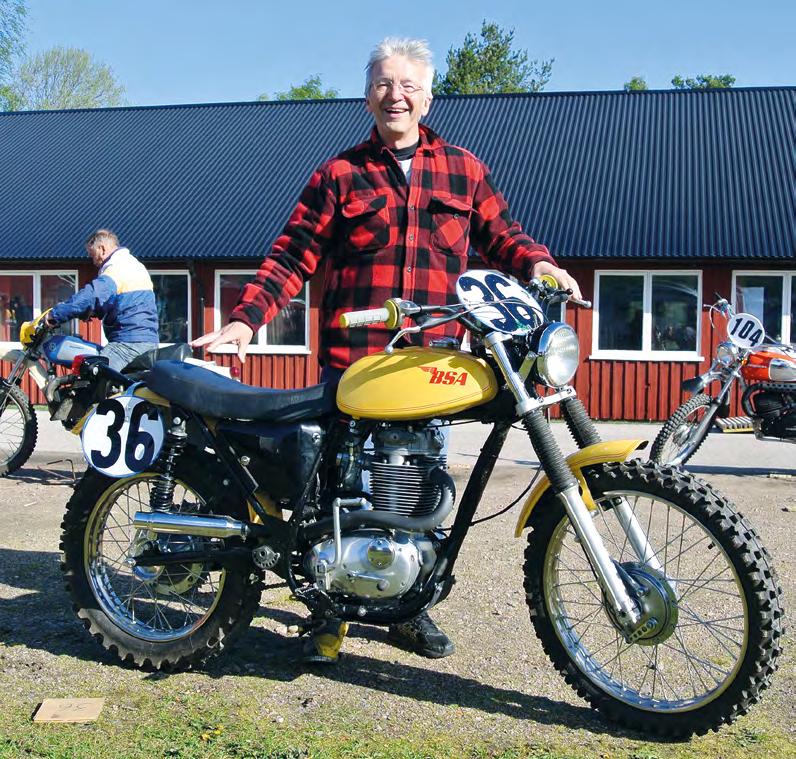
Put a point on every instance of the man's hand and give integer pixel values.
(236, 333)
(565, 281)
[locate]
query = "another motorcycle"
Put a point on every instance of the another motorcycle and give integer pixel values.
(68, 397)
(766, 371)
(651, 595)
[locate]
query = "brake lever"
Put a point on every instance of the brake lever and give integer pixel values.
(390, 347)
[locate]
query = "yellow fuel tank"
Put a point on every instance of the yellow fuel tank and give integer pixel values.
(415, 383)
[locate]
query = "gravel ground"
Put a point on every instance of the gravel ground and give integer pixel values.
(498, 687)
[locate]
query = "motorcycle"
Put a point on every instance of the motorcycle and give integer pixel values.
(68, 397)
(766, 371)
(650, 594)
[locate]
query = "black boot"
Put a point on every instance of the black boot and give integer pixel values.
(422, 636)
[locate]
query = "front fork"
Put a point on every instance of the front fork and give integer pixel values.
(565, 485)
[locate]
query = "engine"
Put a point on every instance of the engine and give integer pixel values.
(382, 563)
(774, 410)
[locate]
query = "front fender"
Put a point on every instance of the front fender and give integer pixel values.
(34, 369)
(599, 453)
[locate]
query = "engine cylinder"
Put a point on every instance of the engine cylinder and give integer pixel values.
(402, 459)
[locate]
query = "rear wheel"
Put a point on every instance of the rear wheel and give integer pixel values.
(18, 428)
(716, 602)
(172, 616)
(679, 439)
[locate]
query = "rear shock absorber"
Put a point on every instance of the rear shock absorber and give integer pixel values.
(160, 499)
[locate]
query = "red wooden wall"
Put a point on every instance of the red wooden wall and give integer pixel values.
(611, 390)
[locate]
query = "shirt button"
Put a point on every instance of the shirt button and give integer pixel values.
(411, 237)
(411, 208)
(409, 268)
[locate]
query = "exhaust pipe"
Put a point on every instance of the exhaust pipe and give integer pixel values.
(190, 524)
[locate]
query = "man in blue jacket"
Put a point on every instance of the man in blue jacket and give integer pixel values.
(121, 295)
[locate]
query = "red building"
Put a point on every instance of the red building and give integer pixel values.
(653, 200)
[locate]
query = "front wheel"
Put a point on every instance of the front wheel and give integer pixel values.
(19, 428)
(715, 599)
(168, 617)
(679, 438)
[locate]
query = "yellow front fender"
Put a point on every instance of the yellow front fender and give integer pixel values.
(599, 453)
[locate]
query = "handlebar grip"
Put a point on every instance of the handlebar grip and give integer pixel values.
(579, 302)
(361, 318)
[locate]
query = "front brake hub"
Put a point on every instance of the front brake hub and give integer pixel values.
(657, 605)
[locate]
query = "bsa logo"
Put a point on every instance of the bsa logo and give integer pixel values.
(439, 377)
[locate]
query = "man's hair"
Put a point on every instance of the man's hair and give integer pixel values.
(102, 236)
(415, 50)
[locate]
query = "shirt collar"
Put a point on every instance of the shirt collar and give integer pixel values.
(430, 141)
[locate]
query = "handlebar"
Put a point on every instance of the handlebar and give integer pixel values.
(361, 318)
(548, 284)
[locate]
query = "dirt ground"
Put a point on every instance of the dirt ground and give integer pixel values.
(499, 684)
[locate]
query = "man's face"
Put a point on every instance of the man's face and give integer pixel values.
(98, 253)
(395, 107)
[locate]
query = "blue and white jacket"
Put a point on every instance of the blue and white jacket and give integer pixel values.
(122, 296)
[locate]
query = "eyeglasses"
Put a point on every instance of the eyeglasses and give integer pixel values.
(383, 86)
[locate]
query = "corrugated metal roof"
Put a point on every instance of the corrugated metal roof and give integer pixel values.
(660, 174)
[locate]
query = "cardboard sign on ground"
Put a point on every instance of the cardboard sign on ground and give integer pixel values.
(69, 710)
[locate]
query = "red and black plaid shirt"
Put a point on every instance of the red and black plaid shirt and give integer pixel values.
(385, 238)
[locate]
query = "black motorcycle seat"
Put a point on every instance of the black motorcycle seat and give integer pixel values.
(147, 359)
(209, 394)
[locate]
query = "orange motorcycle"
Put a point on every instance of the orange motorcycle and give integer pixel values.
(766, 371)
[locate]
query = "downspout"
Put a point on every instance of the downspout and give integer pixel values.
(200, 291)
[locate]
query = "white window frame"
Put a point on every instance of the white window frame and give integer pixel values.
(262, 349)
(646, 353)
(37, 274)
(787, 289)
(186, 274)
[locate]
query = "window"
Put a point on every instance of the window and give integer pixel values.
(645, 315)
(289, 330)
(770, 296)
(24, 295)
(173, 298)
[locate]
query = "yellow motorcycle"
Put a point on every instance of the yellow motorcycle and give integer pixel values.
(651, 595)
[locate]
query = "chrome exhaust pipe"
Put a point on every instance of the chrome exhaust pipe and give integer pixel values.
(189, 524)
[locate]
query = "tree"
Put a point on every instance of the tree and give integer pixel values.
(65, 77)
(703, 82)
(12, 25)
(310, 89)
(636, 84)
(490, 65)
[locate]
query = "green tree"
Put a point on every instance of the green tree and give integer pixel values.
(636, 84)
(703, 82)
(489, 64)
(65, 77)
(310, 89)
(12, 26)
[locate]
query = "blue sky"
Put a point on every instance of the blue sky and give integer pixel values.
(191, 51)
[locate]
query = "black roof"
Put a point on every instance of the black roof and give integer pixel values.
(659, 174)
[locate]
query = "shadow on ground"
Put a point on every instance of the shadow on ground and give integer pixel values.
(261, 652)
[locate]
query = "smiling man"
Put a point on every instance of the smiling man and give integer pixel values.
(395, 217)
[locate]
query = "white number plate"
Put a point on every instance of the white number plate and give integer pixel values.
(123, 436)
(507, 307)
(746, 331)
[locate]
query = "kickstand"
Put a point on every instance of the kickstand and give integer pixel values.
(58, 475)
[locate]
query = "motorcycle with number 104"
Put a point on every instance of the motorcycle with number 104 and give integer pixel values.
(652, 596)
(766, 371)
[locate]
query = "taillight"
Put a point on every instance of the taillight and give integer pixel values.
(77, 363)
(234, 372)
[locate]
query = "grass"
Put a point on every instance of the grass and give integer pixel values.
(169, 723)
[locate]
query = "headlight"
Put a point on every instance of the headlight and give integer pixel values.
(557, 346)
(726, 353)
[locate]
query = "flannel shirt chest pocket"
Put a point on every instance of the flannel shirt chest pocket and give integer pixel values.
(450, 223)
(367, 222)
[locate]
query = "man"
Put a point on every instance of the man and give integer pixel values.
(121, 295)
(394, 217)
